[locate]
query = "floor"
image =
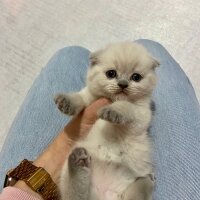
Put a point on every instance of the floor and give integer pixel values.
(31, 31)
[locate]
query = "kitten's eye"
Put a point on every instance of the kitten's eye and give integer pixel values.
(111, 73)
(136, 77)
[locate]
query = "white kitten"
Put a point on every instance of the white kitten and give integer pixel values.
(114, 161)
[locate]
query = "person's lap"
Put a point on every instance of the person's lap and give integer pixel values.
(174, 131)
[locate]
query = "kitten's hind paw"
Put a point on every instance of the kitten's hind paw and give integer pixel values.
(79, 158)
(65, 104)
(110, 114)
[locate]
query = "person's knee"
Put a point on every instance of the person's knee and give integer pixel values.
(147, 42)
(159, 52)
(75, 50)
(68, 58)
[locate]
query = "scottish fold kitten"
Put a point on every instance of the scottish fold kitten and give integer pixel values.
(113, 162)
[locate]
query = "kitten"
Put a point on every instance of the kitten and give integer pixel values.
(114, 161)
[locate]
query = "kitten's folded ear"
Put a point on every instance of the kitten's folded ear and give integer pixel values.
(155, 63)
(94, 57)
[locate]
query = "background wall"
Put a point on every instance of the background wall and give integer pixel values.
(31, 31)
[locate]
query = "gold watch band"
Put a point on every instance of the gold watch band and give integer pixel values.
(36, 178)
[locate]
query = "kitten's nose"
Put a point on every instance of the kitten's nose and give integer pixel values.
(123, 84)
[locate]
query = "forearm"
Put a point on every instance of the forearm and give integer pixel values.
(48, 160)
(53, 158)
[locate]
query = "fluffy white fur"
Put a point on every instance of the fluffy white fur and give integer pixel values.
(118, 143)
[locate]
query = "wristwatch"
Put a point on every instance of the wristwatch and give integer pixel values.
(36, 178)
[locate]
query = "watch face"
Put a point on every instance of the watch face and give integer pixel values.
(9, 181)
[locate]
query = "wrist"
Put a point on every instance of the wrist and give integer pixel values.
(33, 180)
(51, 160)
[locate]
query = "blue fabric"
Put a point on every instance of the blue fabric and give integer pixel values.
(174, 131)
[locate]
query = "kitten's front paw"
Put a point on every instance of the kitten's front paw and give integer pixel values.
(110, 114)
(65, 104)
(79, 158)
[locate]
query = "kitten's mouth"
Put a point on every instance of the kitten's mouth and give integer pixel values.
(120, 95)
(121, 92)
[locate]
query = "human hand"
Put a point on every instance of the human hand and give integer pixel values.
(80, 125)
(52, 159)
